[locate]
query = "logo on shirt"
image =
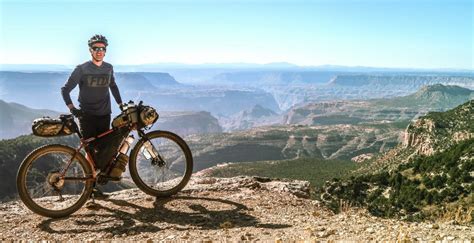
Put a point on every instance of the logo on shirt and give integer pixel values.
(98, 80)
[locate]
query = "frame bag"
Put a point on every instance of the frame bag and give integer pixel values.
(104, 149)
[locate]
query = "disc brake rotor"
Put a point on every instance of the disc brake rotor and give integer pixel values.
(55, 180)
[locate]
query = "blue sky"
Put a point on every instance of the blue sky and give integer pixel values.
(383, 33)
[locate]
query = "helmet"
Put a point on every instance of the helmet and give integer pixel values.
(97, 39)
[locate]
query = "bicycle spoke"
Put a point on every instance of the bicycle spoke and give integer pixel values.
(41, 187)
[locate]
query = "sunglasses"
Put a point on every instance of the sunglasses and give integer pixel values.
(97, 48)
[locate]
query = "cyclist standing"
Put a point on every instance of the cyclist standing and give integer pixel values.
(95, 78)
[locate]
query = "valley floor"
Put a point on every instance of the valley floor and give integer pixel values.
(219, 209)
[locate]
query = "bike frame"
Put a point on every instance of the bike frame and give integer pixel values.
(90, 160)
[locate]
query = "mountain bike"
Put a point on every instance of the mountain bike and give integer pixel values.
(56, 180)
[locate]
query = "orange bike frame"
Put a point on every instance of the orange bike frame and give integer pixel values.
(90, 160)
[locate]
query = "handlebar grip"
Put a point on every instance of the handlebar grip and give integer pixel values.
(122, 107)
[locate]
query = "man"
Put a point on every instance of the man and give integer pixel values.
(94, 78)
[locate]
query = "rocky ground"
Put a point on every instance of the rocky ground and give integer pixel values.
(218, 209)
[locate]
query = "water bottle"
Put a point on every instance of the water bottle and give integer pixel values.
(122, 159)
(148, 150)
(126, 144)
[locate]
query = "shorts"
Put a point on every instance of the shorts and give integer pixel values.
(92, 125)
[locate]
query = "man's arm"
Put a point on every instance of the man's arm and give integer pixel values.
(115, 90)
(70, 84)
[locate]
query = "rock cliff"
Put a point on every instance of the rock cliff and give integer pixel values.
(437, 131)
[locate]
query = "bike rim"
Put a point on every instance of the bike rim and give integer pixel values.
(165, 173)
(44, 185)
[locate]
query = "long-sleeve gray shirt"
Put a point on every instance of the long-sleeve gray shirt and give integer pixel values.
(94, 83)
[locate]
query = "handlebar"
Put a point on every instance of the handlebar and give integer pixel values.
(130, 103)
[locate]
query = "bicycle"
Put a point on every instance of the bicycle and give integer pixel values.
(56, 180)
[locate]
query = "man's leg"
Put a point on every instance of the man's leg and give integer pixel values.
(87, 126)
(101, 125)
(92, 126)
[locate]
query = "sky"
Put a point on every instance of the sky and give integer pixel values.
(376, 33)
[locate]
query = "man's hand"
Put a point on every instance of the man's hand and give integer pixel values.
(122, 106)
(76, 112)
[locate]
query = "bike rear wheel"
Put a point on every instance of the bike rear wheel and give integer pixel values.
(44, 191)
(165, 167)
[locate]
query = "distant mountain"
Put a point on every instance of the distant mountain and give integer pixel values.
(235, 73)
(249, 118)
(161, 90)
(391, 80)
(288, 86)
(292, 88)
(43, 89)
(205, 66)
(433, 97)
(258, 78)
(16, 119)
(10, 81)
(187, 123)
(258, 112)
(437, 97)
(33, 89)
(144, 81)
(220, 102)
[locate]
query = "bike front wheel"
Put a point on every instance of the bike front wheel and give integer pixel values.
(161, 163)
(42, 188)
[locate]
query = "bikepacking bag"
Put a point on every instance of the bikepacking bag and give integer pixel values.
(103, 150)
(53, 127)
(127, 116)
(144, 116)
